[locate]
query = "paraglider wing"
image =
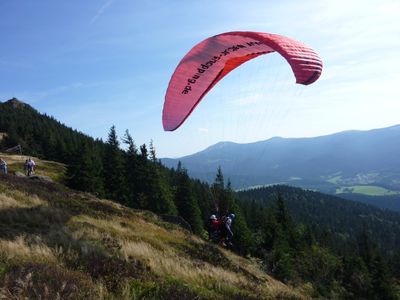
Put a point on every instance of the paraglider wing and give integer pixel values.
(210, 60)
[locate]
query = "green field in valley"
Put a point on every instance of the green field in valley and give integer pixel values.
(370, 190)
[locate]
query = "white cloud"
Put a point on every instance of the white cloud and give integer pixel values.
(101, 10)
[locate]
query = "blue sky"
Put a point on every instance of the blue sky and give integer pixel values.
(92, 64)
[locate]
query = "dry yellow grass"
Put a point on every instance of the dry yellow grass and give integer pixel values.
(156, 247)
(131, 229)
(22, 251)
(7, 201)
(169, 262)
(14, 199)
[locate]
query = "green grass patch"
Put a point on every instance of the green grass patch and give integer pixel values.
(55, 171)
(370, 190)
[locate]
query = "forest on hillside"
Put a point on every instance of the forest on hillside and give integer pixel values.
(344, 249)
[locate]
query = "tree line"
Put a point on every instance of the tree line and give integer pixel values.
(302, 236)
(116, 169)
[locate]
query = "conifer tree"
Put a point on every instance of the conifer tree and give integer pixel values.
(143, 151)
(204, 199)
(179, 167)
(286, 226)
(85, 172)
(61, 150)
(113, 168)
(227, 203)
(186, 203)
(270, 229)
(395, 264)
(365, 248)
(242, 238)
(356, 278)
(131, 170)
(152, 189)
(160, 195)
(219, 193)
(153, 157)
(219, 179)
(281, 213)
(382, 288)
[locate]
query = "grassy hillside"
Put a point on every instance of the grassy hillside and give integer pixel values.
(59, 243)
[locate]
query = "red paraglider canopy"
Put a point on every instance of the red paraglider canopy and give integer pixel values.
(210, 60)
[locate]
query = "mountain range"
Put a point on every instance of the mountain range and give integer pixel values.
(345, 163)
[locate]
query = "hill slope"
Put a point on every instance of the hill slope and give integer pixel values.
(55, 242)
(39, 134)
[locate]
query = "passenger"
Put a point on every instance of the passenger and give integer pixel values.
(228, 234)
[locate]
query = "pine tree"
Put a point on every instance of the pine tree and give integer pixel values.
(395, 265)
(365, 248)
(61, 150)
(160, 195)
(281, 213)
(279, 236)
(308, 236)
(131, 170)
(286, 226)
(113, 169)
(242, 238)
(270, 229)
(151, 186)
(143, 151)
(382, 288)
(85, 172)
(153, 157)
(204, 199)
(227, 203)
(356, 278)
(219, 179)
(186, 203)
(219, 193)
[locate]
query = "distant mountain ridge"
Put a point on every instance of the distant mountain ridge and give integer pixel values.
(343, 162)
